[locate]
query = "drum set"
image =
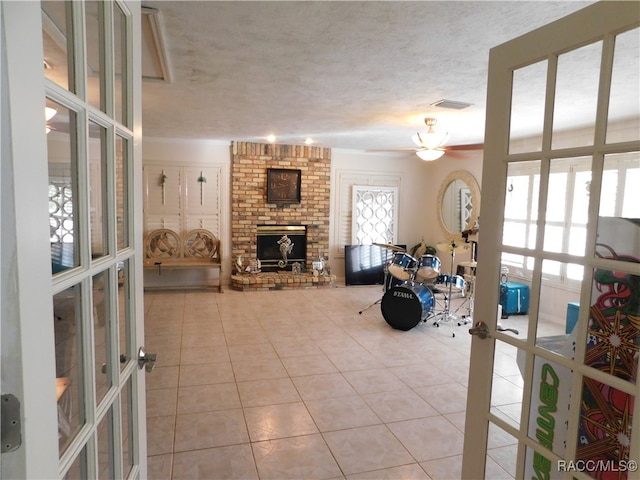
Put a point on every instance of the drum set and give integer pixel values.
(415, 289)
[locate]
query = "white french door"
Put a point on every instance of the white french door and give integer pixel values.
(72, 304)
(561, 211)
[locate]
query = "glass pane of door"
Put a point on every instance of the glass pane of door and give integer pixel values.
(576, 96)
(122, 186)
(98, 193)
(94, 30)
(63, 187)
(57, 37)
(101, 295)
(70, 355)
(121, 62)
(624, 102)
(527, 108)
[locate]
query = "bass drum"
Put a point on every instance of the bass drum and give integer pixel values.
(404, 306)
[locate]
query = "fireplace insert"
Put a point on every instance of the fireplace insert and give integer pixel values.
(280, 246)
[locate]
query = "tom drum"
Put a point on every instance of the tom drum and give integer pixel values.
(428, 267)
(404, 306)
(456, 282)
(401, 266)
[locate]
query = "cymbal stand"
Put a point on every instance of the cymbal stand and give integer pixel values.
(446, 315)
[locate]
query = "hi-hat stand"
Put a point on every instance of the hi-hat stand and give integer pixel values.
(446, 315)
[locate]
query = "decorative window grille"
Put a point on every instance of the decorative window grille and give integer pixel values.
(61, 212)
(374, 215)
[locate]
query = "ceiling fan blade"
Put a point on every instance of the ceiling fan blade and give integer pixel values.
(471, 146)
(454, 154)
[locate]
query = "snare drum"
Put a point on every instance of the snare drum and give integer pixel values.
(456, 282)
(428, 267)
(404, 306)
(401, 265)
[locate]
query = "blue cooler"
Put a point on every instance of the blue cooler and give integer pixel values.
(514, 298)
(573, 309)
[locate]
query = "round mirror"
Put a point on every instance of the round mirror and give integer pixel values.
(459, 203)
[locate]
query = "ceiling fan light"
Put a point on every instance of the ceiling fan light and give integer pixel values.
(433, 139)
(429, 154)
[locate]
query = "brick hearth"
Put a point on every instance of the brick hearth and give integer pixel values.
(280, 281)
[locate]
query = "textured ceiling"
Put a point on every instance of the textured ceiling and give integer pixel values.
(358, 75)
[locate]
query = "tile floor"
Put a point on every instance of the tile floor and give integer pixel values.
(299, 385)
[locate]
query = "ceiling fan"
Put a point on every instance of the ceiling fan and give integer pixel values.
(431, 143)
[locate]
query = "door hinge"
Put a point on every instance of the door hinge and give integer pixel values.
(10, 425)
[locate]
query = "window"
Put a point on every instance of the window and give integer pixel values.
(374, 215)
(566, 214)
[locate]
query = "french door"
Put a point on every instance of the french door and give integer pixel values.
(72, 304)
(560, 216)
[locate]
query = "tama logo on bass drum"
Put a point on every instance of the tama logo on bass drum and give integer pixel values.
(401, 294)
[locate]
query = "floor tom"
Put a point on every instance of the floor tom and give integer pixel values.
(456, 282)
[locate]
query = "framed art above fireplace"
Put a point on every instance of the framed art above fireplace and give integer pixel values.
(283, 185)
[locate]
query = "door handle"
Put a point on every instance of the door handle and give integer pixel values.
(146, 360)
(480, 329)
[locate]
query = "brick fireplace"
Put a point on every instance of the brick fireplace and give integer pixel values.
(249, 206)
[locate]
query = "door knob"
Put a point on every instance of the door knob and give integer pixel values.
(146, 360)
(481, 330)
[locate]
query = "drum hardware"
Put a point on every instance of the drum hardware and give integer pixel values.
(470, 298)
(446, 315)
(389, 246)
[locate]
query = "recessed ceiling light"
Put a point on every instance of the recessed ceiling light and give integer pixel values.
(308, 141)
(271, 138)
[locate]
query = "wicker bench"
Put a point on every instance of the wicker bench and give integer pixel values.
(196, 249)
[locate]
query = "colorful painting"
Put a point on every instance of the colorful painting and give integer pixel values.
(613, 346)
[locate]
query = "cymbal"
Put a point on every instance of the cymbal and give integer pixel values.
(468, 264)
(456, 247)
(390, 247)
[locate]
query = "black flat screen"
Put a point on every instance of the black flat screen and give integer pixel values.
(364, 264)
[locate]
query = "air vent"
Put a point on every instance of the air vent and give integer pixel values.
(451, 104)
